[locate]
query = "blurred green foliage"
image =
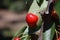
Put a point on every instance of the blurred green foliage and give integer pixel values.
(57, 8)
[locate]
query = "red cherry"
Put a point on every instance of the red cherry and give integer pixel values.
(16, 38)
(31, 19)
(58, 38)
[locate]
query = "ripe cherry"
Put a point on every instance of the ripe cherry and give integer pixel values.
(31, 19)
(16, 38)
(58, 38)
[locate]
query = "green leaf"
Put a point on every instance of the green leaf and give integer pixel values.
(39, 2)
(52, 31)
(25, 35)
(34, 8)
(43, 6)
(26, 31)
(28, 3)
(57, 8)
(48, 35)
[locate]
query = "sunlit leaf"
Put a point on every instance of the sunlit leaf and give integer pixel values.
(39, 2)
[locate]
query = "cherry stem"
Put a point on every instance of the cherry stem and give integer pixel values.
(23, 36)
(19, 34)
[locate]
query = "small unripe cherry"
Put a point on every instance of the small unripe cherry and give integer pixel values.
(53, 14)
(31, 19)
(16, 38)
